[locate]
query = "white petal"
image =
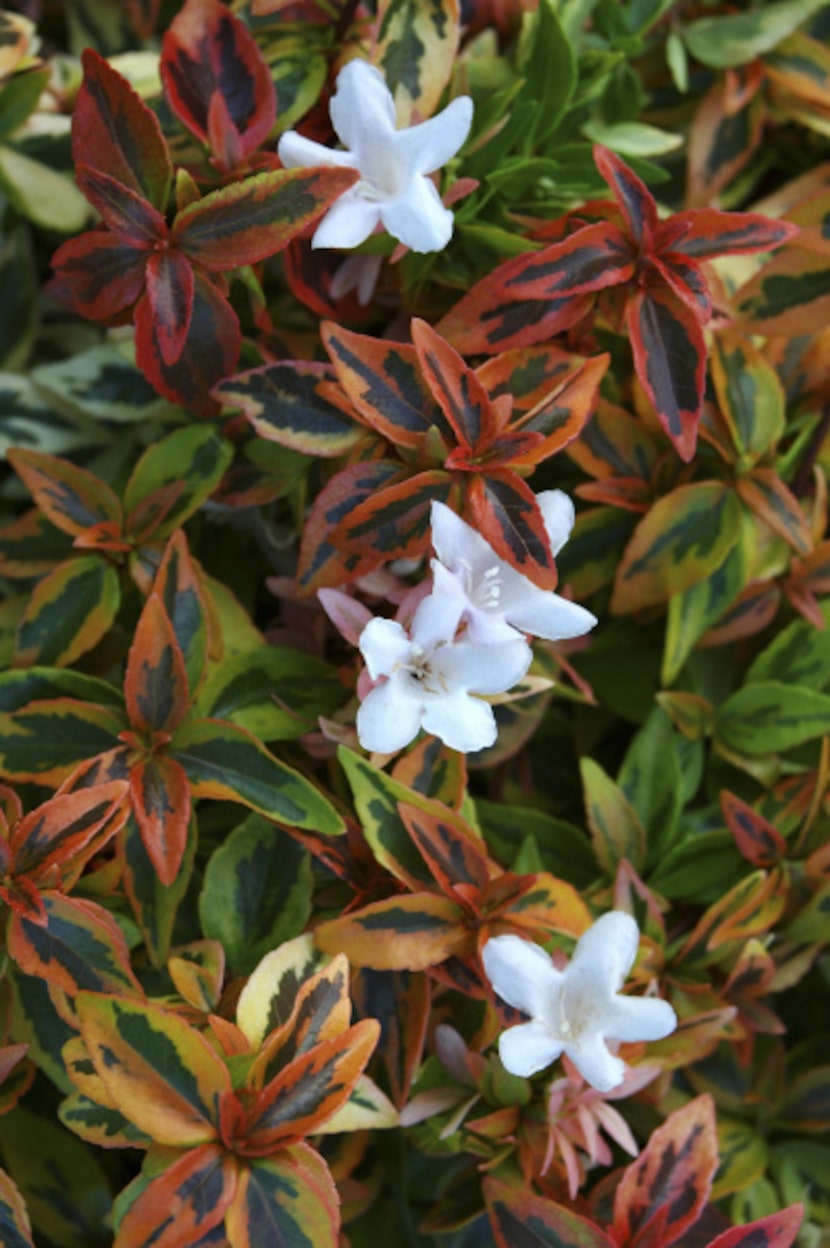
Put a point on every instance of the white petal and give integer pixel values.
(597, 1066)
(522, 974)
(436, 619)
(549, 616)
(483, 669)
(527, 1048)
(387, 719)
(606, 952)
(639, 1018)
(417, 217)
(348, 222)
(488, 628)
(458, 546)
(463, 723)
(559, 516)
(431, 144)
(384, 644)
(297, 152)
(361, 101)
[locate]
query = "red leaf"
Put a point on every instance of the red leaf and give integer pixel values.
(561, 417)
(73, 498)
(670, 359)
(155, 686)
(209, 354)
(505, 512)
(635, 201)
(462, 397)
(321, 562)
(711, 232)
(394, 522)
(519, 1218)
(170, 285)
(664, 1191)
(131, 216)
(777, 1230)
(160, 793)
(757, 839)
(763, 491)
(533, 297)
(77, 946)
(178, 1207)
(210, 63)
(100, 274)
(688, 283)
(116, 133)
(65, 825)
(451, 855)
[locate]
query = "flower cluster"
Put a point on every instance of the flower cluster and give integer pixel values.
(466, 640)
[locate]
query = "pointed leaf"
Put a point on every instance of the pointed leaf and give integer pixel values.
(463, 399)
(133, 219)
(406, 933)
(65, 825)
(163, 1075)
(321, 563)
(288, 1200)
(670, 359)
(321, 1011)
(394, 522)
(98, 274)
(160, 795)
(415, 50)
(735, 38)
(68, 613)
(770, 499)
(209, 351)
(155, 685)
(283, 404)
(48, 738)
(505, 512)
(752, 399)
(270, 997)
(98, 1124)
(757, 839)
(15, 1227)
(194, 459)
(248, 221)
(663, 1192)
(533, 297)
(72, 498)
(180, 585)
(711, 233)
(154, 904)
(311, 1088)
(384, 382)
(616, 831)
(180, 1205)
(115, 132)
(563, 415)
(681, 541)
(226, 763)
(777, 1230)
(522, 1220)
(170, 285)
(769, 716)
(77, 946)
(789, 296)
(448, 848)
(633, 197)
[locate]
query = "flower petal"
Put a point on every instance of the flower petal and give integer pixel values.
(384, 644)
(458, 546)
(549, 616)
(463, 723)
(528, 1048)
(348, 222)
(522, 974)
(606, 952)
(483, 669)
(388, 719)
(559, 516)
(436, 619)
(297, 152)
(361, 101)
(431, 144)
(597, 1066)
(417, 217)
(639, 1018)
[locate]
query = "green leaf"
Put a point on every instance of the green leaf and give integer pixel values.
(256, 892)
(19, 96)
(416, 47)
(65, 1188)
(274, 692)
(194, 458)
(155, 905)
(69, 612)
(563, 848)
(699, 868)
(101, 384)
(735, 39)
(616, 831)
(283, 404)
(798, 655)
(751, 395)
(633, 138)
(682, 540)
(289, 1199)
(48, 199)
(548, 65)
(651, 780)
(18, 314)
(691, 613)
(77, 946)
(19, 688)
(768, 716)
(226, 763)
(37, 1023)
(29, 420)
(46, 740)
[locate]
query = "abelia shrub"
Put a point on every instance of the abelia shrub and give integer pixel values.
(415, 699)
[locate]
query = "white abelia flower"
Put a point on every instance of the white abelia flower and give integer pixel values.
(393, 190)
(499, 604)
(577, 1010)
(431, 680)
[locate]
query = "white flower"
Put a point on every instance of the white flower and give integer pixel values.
(499, 603)
(576, 1010)
(431, 681)
(393, 189)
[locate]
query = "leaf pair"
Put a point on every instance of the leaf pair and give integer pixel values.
(162, 275)
(651, 266)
